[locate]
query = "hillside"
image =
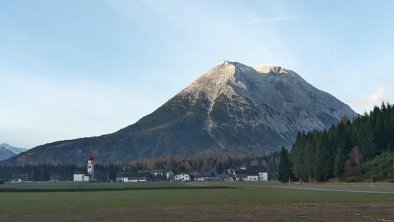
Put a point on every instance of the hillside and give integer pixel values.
(351, 151)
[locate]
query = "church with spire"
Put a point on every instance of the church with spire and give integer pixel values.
(83, 177)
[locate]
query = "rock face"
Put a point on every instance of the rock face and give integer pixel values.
(232, 109)
(7, 151)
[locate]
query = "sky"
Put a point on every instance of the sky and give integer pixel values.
(80, 68)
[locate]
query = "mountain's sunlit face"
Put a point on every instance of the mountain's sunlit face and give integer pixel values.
(72, 69)
(231, 110)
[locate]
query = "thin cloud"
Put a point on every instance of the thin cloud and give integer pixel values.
(368, 102)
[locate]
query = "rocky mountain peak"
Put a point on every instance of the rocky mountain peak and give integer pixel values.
(228, 77)
(213, 81)
(265, 69)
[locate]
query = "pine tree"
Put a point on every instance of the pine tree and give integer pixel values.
(339, 162)
(298, 158)
(319, 162)
(284, 166)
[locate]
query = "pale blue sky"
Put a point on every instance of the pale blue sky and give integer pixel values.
(81, 68)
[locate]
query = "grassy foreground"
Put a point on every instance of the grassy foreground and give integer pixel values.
(246, 202)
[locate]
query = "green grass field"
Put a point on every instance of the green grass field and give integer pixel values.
(85, 186)
(245, 202)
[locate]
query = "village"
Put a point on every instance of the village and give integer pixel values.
(92, 171)
(251, 173)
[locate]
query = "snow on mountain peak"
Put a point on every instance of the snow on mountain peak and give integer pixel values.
(15, 150)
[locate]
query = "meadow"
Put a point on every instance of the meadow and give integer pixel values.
(161, 201)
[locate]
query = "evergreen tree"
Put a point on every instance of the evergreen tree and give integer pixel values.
(298, 158)
(318, 166)
(284, 166)
(339, 163)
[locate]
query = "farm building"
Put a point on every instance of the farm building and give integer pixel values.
(252, 173)
(20, 178)
(81, 177)
(129, 177)
(182, 177)
(159, 174)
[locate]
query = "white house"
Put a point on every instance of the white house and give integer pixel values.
(182, 177)
(263, 176)
(81, 177)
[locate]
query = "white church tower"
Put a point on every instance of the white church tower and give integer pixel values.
(91, 166)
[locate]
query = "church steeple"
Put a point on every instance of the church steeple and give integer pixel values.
(90, 166)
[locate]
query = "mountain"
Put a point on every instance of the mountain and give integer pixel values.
(232, 109)
(7, 151)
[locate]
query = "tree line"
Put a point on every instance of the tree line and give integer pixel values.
(354, 150)
(108, 172)
(46, 172)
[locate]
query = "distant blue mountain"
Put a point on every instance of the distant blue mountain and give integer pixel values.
(7, 151)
